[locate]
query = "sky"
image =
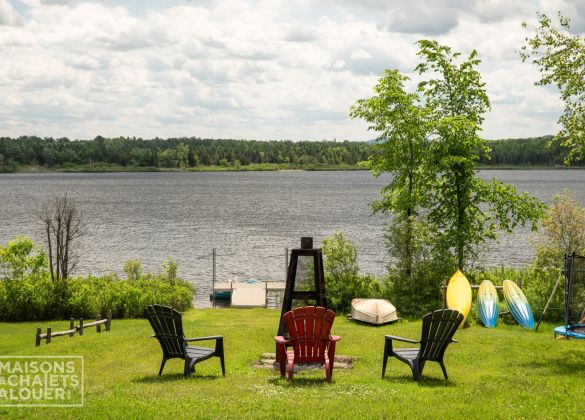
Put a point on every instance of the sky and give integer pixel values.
(266, 70)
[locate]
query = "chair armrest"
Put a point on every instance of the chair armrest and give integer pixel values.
(334, 338)
(212, 337)
(406, 340)
(281, 340)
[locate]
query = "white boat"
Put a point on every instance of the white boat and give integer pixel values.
(373, 311)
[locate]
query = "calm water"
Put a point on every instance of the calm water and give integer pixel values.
(249, 217)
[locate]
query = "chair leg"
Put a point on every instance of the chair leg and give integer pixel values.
(221, 360)
(162, 365)
(328, 369)
(189, 367)
(444, 370)
(387, 349)
(290, 366)
(415, 370)
(219, 352)
(330, 361)
(281, 352)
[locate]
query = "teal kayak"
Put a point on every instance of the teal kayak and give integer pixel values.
(488, 304)
(518, 305)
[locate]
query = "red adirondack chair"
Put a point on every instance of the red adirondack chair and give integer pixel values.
(308, 328)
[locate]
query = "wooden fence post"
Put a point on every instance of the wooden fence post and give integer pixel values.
(71, 327)
(98, 327)
(109, 321)
(48, 335)
(80, 328)
(38, 337)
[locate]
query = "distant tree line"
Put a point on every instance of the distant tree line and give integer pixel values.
(532, 151)
(193, 152)
(175, 152)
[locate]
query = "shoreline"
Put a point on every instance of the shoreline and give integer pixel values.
(248, 168)
(263, 167)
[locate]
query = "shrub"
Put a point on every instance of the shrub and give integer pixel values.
(170, 268)
(27, 299)
(344, 282)
(126, 298)
(25, 289)
(20, 258)
(27, 292)
(538, 285)
(133, 269)
(414, 280)
(563, 232)
(420, 297)
(82, 299)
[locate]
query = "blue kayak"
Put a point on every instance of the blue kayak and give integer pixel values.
(518, 305)
(488, 304)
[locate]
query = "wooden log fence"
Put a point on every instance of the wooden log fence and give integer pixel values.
(73, 329)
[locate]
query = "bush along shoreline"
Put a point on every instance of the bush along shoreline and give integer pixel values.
(28, 294)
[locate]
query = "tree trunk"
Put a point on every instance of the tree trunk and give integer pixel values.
(460, 239)
(48, 231)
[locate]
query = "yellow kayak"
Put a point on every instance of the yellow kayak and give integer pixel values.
(459, 294)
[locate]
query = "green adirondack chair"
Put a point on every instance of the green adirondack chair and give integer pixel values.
(167, 324)
(438, 328)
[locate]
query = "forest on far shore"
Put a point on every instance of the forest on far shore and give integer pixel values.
(130, 153)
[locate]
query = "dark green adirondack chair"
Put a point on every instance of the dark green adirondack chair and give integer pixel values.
(168, 330)
(438, 328)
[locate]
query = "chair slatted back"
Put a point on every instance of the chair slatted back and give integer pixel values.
(309, 328)
(438, 329)
(167, 324)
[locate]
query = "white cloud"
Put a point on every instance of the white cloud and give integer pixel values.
(301, 33)
(574, 9)
(8, 16)
(231, 68)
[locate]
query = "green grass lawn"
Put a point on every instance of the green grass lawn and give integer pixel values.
(505, 372)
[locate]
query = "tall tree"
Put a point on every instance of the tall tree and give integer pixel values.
(464, 210)
(560, 58)
(401, 123)
(429, 141)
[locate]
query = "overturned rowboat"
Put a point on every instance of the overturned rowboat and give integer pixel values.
(373, 311)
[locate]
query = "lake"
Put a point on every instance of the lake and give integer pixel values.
(250, 218)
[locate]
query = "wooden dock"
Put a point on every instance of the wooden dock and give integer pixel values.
(241, 294)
